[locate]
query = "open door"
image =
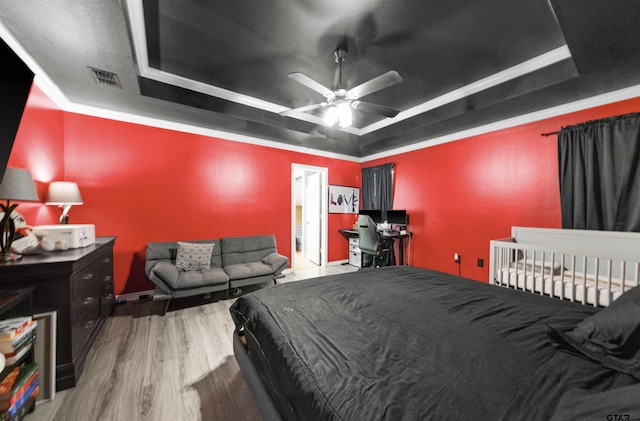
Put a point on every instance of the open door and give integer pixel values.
(309, 215)
(313, 217)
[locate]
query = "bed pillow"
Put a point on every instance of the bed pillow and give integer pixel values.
(610, 336)
(584, 405)
(194, 256)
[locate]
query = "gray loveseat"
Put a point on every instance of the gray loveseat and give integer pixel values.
(235, 262)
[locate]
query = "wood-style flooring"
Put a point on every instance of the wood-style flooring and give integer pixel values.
(180, 366)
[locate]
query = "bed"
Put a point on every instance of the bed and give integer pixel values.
(403, 343)
(591, 267)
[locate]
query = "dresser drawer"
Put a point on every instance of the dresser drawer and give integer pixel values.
(89, 284)
(84, 327)
(355, 259)
(353, 241)
(106, 302)
(85, 282)
(354, 248)
(106, 283)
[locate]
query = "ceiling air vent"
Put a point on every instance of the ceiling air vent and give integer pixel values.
(103, 77)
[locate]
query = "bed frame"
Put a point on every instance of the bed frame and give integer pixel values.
(590, 267)
(265, 403)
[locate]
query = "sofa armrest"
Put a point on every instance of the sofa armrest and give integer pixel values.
(166, 272)
(276, 262)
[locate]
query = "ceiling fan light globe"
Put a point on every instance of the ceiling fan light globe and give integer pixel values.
(344, 114)
(330, 116)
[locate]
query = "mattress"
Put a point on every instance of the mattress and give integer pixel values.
(402, 343)
(574, 287)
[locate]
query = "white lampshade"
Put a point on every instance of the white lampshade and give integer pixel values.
(64, 193)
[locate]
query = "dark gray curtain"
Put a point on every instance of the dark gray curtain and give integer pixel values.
(599, 174)
(377, 187)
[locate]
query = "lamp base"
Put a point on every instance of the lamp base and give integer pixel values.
(9, 257)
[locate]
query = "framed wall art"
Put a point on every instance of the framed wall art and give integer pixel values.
(343, 199)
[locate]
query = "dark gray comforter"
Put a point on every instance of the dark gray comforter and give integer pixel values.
(403, 343)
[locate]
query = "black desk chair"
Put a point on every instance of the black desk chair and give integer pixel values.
(371, 242)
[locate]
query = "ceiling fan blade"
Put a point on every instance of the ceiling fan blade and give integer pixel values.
(374, 108)
(380, 82)
(302, 109)
(310, 83)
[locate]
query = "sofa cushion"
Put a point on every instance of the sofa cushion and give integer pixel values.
(206, 277)
(236, 250)
(247, 270)
(193, 256)
(169, 274)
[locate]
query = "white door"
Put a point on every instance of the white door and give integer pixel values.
(312, 216)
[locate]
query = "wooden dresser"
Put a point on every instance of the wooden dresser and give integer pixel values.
(78, 285)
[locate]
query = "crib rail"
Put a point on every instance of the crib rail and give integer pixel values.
(566, 274)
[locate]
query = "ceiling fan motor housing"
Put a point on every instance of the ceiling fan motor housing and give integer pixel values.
(344, 98)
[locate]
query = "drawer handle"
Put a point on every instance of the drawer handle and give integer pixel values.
(88, 277)
(107, 260)
(107, 279)
(89, 324)
(88, 300)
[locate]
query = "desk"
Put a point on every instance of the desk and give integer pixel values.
(395, 235)
(398, 237)
(347, 233)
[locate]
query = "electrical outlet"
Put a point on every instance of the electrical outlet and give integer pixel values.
(480, 263)
(456, 257)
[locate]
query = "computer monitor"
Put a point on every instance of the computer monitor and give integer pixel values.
(375, 214)
(397, 217)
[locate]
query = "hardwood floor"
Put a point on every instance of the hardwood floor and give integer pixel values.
(144, 366)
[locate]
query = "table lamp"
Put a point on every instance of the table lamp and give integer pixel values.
(64, 194)
(16, 184)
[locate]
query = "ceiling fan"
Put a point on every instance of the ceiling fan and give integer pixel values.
(340, 100)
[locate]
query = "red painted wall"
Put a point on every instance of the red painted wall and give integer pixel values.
(39, 147)
(461, 195)
(146, 184)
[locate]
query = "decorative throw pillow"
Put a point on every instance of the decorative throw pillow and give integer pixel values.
(194, 256)
(610, 337)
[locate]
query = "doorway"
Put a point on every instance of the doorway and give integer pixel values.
(309, 216)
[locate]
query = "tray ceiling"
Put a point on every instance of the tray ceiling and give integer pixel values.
(223, 65)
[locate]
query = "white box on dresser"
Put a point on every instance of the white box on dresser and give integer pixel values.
(74, 235)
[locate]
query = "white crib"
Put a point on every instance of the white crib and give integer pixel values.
(591, 267)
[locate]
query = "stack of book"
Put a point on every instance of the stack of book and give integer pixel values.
(19, 377)
(18, 391)
(16, 338)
